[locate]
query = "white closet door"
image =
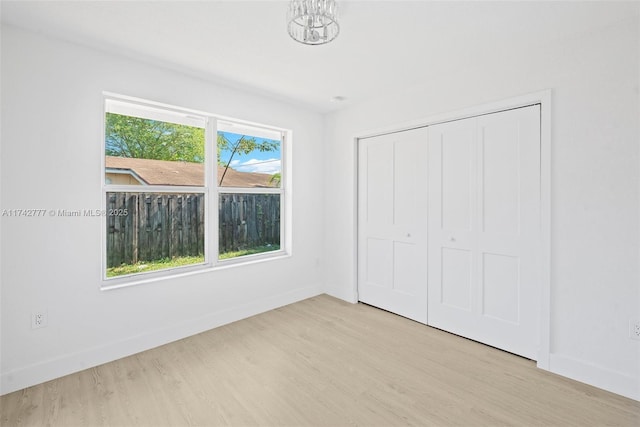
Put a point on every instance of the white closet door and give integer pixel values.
(484, 228)
(392, 223)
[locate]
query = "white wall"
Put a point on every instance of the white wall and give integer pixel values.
(595, 181)
(51, 154)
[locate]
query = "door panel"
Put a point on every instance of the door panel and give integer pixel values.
(456, 278)
(406, 258)
(379, 273)
(501, 287)
(406, 160)
(392, 223)
(499, 163)
(379, 177)
(457, 170)
(484, 193)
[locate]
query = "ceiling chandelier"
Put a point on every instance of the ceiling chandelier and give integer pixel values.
(313, 21)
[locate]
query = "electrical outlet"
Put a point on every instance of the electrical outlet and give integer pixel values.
(634, 329)
(38, 319)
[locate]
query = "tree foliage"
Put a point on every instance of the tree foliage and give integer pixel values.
(244, 145)
(139, 138)
(275, 179)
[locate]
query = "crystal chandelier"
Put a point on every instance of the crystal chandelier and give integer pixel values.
(313, 21)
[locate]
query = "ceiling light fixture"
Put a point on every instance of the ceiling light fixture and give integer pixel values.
(313, 21)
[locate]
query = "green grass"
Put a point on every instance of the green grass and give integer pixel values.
(161, 264)
(144, 266)
(249, 251)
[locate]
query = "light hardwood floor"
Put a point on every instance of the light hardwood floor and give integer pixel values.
(318, 362)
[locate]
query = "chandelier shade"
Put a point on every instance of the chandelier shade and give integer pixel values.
(313, 22)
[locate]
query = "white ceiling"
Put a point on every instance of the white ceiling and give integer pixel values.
(383, 46)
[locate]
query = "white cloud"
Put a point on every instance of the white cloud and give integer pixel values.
(269, 166)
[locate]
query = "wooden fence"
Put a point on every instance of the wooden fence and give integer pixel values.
(152, 226)
(248, 220)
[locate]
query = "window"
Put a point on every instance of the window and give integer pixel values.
(249, 190)
(186, 191)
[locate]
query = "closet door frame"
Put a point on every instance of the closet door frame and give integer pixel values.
(544, 99)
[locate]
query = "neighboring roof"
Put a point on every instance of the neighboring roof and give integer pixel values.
(163, 172)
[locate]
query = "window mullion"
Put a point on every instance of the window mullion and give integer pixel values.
(211, 182)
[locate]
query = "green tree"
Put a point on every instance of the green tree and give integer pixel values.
(139, 138)
(244, 145)
(275, 179)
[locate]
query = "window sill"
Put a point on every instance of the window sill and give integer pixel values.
(179, 272)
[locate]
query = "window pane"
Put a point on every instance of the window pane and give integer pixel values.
(249, 159)
(248, 224)
(144, 151)
(153, 231)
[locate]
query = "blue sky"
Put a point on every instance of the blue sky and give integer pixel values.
(268, 162)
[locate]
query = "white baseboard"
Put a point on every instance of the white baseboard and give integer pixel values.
(595, 375)
(75, 362)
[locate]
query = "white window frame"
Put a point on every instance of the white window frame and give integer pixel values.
(210, 189)
(241, 127)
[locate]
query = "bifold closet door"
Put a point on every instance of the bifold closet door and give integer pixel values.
(484, 228)
(392, 211)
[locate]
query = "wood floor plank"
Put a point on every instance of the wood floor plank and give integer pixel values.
(319, 362)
